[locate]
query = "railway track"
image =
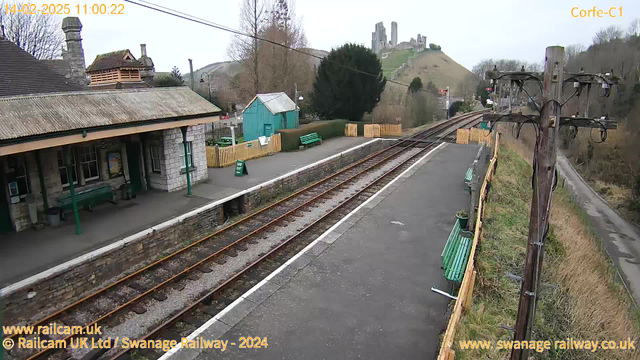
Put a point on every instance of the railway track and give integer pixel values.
(155, 283)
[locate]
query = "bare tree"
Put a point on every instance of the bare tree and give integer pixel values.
(39, 35)
(608, 34)
(285, 66)
(481, 68)
(634, 28)
(534, 67)
(571, 53)
(245, 49)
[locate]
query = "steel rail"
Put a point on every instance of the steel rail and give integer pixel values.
(197, 302)
(217, 253)
(430, 131)
(230, 226)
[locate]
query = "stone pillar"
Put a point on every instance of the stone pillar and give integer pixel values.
(74, 54)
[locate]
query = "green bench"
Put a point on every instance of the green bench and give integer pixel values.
(310, 139)
(456, 253)
(468, 177)
(86, 198)
(225, 141)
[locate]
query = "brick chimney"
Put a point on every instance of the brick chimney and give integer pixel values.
(74, 55)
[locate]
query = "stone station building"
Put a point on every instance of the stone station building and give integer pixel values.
(131, 138)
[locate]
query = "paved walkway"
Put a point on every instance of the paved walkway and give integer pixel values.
(363, 290)
(29, 252)
(223, 183)
(620, 237)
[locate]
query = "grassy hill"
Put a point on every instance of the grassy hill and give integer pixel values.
(433, 66)
(395, 59)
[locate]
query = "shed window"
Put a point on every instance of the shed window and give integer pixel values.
(64, 179)
(89, 162)
(189, 155)
(156, 158)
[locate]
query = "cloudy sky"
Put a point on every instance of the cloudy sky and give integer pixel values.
(467, 30)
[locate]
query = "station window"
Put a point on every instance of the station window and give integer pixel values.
(189, 155)
(156, 158)
(89, 162)
(18, 177)
(64, 179)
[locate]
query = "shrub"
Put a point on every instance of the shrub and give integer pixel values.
(326, 129)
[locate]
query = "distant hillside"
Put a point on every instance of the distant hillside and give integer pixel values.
(219, 69)
(228, 69)
(429, 65)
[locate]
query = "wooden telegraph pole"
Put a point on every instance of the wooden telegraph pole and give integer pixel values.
(543, 183)
(547, 126)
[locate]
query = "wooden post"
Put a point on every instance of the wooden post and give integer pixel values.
(67, 154)
(43, 186)
(217, 155)
(474, 193)
(467, 300)
(544, 172)
(186, 155)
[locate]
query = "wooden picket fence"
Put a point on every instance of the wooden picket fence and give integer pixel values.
(390, 129)
(466, 288)
(351, 130)
(462, 136)
(225, 156)
(372, 130)
(479, 135)
(378, 130)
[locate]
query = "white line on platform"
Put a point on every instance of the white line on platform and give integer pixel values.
(139, 235)
(219, 315)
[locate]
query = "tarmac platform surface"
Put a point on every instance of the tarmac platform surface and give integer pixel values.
(30, 252)
(363, 289)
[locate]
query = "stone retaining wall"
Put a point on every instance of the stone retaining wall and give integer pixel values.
(63, 287)
(305, 177)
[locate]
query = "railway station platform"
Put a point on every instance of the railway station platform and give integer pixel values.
(28, 253)
(363, 289)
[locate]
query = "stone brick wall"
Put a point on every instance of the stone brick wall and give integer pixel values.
(79, 280)
(305, 177)
(171, 178)
(52, 181)
(157, 180)
(173, 148)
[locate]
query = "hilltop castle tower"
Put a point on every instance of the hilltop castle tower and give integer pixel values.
(394, 33)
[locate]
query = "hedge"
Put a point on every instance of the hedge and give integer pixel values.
(326, 129)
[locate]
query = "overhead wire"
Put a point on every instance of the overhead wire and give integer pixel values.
(189, 17)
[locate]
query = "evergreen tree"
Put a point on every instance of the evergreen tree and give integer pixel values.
(341, 92)
(175, 73)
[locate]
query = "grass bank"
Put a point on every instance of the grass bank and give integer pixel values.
(585, 299)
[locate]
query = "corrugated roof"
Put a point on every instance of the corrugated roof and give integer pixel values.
(30, 115)
(276, 102)
(114, 60)
(21, 73)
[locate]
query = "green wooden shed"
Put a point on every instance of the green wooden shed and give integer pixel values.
(267, 113)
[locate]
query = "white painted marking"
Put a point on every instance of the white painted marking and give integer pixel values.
(397, 223)
(211, 321)
(137, 236)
